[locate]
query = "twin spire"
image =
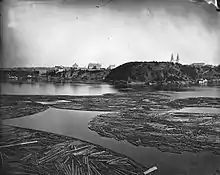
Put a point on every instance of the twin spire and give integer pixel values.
(173, 60)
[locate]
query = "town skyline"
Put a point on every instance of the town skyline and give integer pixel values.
(175, 58)
(75, 65)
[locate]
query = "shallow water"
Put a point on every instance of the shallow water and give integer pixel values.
(56, 89)
(198, 91)
(75, 123)
(199, 110)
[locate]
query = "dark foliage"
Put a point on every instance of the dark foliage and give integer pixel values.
(160, 72)
(190, 71)
(147, 71)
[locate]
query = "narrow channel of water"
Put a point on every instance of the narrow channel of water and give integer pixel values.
(198, 110)
(75, 124)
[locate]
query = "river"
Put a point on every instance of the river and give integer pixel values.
(75, 123)
(56, 89)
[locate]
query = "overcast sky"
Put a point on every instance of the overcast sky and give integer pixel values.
(58, 32)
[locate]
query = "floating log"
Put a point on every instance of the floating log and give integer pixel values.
(150, 170)
(18, 144)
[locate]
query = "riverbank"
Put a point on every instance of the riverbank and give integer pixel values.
(51, 81)
(155, 75)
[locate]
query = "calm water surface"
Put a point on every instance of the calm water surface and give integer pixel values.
(199, 91)
(56, 89)
(75, 123)
(92, 89)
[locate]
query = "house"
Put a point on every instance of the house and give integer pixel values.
(59, 69)
(203, 82)
(111, 67)
(13, 77)
(75, 66)
(198, 64)
(94, 66)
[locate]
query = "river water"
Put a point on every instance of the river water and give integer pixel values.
(56, 89)
(75, 124)
(198, 91)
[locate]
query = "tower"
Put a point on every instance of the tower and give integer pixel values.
(177, 58)
(172, 59)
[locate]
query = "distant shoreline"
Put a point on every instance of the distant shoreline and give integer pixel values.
(156, 75)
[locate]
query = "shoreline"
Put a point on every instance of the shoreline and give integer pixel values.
(123, 86)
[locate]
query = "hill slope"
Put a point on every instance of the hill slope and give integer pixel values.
(149, 71)
(158, 71)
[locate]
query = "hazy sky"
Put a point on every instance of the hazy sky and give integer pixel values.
(61, 32)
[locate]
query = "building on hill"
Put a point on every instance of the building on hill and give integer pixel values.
(198, 64)
(173, 60)
(75, 66)
(177, 58)
(94, 66)
(59, 69)
(203, 82)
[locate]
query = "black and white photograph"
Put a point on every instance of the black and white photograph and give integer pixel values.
(110, 87)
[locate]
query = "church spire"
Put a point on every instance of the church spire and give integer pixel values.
(172, 59)
(177, 58)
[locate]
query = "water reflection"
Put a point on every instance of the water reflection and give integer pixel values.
(56, 89)
(198, 92)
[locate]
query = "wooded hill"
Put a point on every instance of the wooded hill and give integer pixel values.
(161, 71)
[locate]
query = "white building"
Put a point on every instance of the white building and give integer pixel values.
(75, 66)
(94, 66)
(59, 69)
(198, 64)
(203, 82)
